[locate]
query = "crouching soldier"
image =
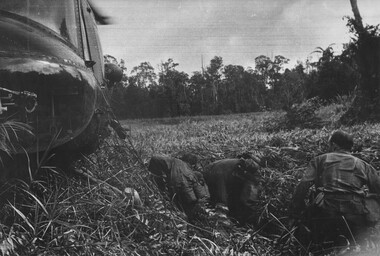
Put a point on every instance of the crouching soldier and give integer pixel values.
(234, 183)
(183, 185)
(347, 192)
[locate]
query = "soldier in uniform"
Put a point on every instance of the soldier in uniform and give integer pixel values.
(234, 184)
(183, 185)
(347, 191)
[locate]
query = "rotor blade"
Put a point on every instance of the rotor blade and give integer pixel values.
(100, 19)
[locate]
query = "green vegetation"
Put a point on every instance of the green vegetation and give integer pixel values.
(63, 213)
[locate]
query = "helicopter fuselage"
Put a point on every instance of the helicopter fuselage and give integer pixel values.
(50, 74)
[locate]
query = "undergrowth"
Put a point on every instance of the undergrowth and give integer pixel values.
(9, 135)
(65, 213)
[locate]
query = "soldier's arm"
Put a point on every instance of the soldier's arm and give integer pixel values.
(298, 201)
(185, 182)
(201, 190)
(158, 168)
(161, 183)
(189, 193)
(249, 194)
(373, 179)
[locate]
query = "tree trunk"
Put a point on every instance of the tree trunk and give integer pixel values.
(358, 18)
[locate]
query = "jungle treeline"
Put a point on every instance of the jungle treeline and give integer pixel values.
(221, 88)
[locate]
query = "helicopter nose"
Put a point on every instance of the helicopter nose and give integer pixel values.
(57, 99)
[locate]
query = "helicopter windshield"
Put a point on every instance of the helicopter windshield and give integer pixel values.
(58, 15)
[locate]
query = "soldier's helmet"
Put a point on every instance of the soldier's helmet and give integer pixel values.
(113, 72)
(249, 169)
(342, 139)
(189, 158)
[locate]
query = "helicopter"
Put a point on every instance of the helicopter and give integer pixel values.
(53, 77)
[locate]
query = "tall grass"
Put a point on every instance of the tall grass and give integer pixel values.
(70, 214)
(10, 135)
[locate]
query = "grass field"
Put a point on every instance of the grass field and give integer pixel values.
(68, 215)
(285, 153)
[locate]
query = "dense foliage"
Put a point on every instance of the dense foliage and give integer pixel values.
(365, 48)
(223, 88)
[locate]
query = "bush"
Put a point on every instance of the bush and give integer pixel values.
(303, 115)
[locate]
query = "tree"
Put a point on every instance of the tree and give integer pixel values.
(136, 102)
(332, 76)
(274, 72)
(278, 63)
(230, 89)
(366, 105)
(143, 75)
(255, 90)
(327, 55)
(175, 88)
(262, 66)
(292, 90)
(213, 77)
(269, 69)
(270, 73)
(197, 85)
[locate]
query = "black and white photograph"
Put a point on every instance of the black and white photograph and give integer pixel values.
(190, 127)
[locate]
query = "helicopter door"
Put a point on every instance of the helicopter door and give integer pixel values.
(93, 54)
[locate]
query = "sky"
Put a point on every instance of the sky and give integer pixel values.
(192, 32)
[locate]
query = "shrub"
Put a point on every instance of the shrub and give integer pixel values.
(304, 115)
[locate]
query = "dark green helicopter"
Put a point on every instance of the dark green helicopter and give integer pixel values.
(52, 73)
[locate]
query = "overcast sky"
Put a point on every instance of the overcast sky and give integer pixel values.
(236, 30)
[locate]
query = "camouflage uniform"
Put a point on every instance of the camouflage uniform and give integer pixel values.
(175, 178)
(234, 183)
(346, 195)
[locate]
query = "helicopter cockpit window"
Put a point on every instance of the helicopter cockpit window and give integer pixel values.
(58, 15)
